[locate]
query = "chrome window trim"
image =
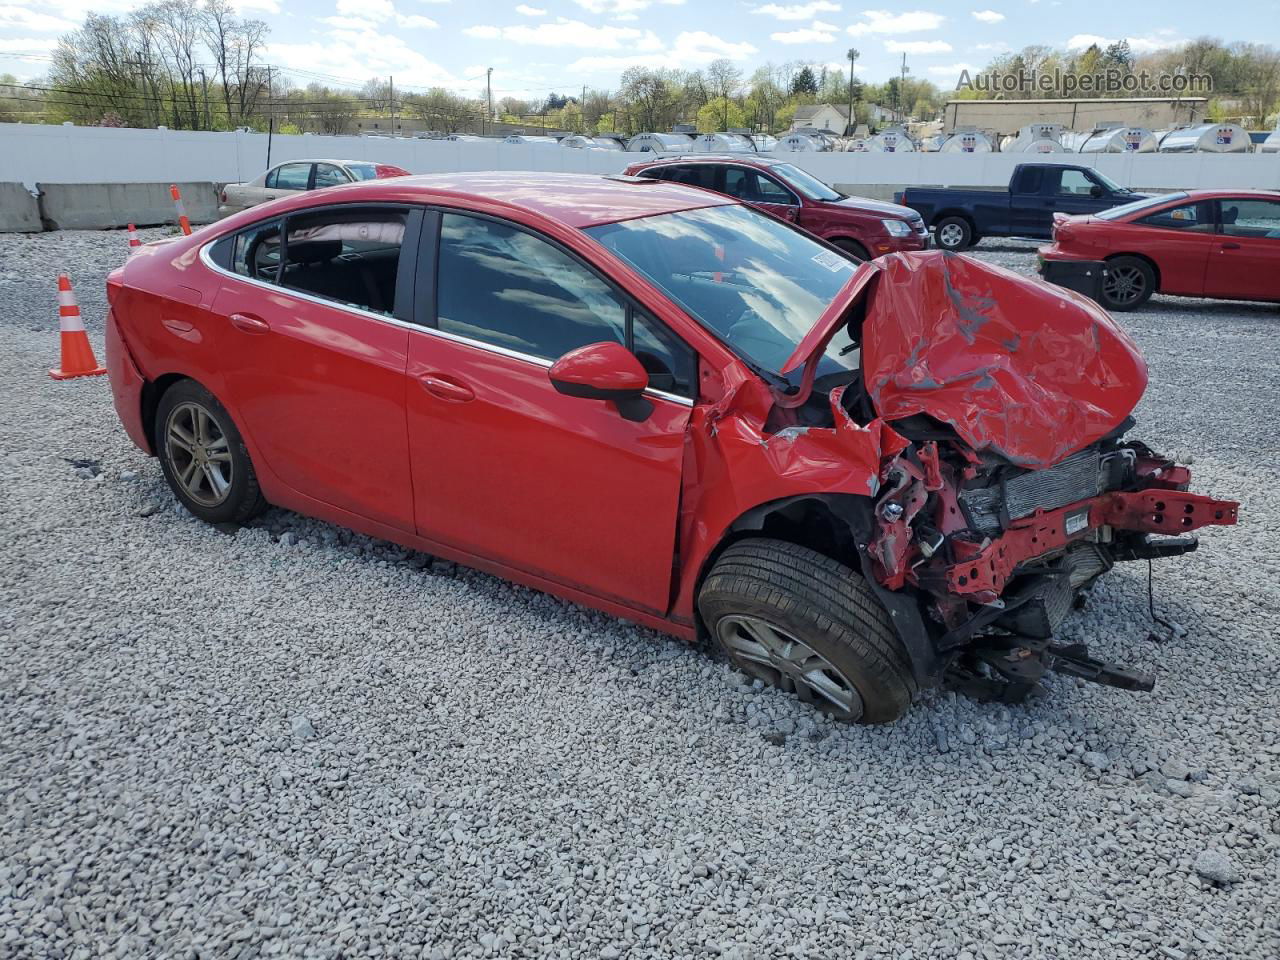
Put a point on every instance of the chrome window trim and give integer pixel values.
(207, 260)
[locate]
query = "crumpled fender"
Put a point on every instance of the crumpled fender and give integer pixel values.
(1021, 369)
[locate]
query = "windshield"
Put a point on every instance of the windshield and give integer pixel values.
(756, 283)
(1115, 213)
(806, 183)
(1109, 183)
(363, 171)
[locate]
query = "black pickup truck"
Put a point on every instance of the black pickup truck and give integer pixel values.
(960, 217)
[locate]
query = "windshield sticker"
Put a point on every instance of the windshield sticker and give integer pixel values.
(832, 261)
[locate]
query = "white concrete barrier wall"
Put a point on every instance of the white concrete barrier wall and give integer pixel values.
(31, 153)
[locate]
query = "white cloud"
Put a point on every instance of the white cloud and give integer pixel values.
(952, 70)
(20, 18)
(1163, 41)
(360, 52)
(917, 46)
(416, 21)
(691, 49)
(257, 6)
(842, 66)
(570, 33)
(625, 7)
(797, 11)
(527, 11)
(818, 33)
(883, 21)
(998, 47)
(25, 45)
(987, 16)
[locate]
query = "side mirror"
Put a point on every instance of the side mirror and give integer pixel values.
(1095, 191)
(604, 371)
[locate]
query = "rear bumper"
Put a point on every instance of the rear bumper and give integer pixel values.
(1082, 276)
(127, 384)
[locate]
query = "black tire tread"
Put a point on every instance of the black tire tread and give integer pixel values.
(830, 598)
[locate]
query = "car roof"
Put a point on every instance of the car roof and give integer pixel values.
(1222, 192)
(574, 199)
(747, 158)
(325, 160)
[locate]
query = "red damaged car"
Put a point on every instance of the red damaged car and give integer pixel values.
(861, 480)
(1222, 244)
(860, 227)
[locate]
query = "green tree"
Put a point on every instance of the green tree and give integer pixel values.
(804, 83)
(720, 114)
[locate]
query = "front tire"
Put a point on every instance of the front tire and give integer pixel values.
(1129, 283)
(953, 233)
(810, 625)
(853, 248)
(203, 456)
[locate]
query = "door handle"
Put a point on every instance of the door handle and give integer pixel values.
(1231, 246)
(249, 323)
(445, 389)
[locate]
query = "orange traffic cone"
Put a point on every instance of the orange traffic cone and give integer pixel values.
(77, 355)
(134, 242)
(183, 221)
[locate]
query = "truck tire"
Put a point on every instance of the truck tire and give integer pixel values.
(1129, 283)
(953, 233)
(810, 625)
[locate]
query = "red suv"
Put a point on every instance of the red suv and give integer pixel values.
(857, 478)
(863, 228)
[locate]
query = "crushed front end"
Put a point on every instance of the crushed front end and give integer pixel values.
(1011, 487)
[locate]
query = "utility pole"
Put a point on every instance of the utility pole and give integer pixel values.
(271, 116)
(391, 102)
(853, 65)
(488, 96)
(902, 90)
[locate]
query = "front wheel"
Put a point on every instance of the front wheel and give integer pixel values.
(853, 248)
(203, 456)
(810, 625)
(953, 233)
(1128, 284)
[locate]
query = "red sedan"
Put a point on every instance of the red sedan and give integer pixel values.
(1203, 243)
(862, 228)
(659, 402)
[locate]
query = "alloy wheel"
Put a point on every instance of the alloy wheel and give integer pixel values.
(199, 453)
(951, 235)
(1124, 284)
(775, 656)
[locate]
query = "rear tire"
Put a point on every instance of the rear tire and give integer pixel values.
(953, 233)
(810, 625)
(203, 456)
(1129, 284)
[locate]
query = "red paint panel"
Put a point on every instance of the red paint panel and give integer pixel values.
(561, 487)
(1023, 370)
(321, 392)
(126, 385)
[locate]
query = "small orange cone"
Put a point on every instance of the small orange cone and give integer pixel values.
(134, 242)
(183, 221)
(77, 355)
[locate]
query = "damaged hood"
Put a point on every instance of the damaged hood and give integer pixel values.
(1019, 368)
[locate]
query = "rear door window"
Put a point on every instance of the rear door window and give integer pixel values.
(350, 256)
(291, 176)
(1192, 217)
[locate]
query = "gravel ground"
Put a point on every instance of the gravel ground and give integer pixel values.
(297, 741)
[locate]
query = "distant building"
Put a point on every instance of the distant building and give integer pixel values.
(835, 117)
(1007, 117)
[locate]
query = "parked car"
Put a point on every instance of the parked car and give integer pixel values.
(657, 401)
(960, 217)
(294, 176)
(1202, 243)
(862, 228)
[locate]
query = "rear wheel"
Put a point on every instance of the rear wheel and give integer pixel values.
(203, 456)
(1128, 284)
(810, 625)
(953, 233)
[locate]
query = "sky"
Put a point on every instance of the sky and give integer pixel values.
(544, 46)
